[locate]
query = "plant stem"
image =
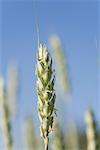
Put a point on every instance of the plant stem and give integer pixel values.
(46, 143)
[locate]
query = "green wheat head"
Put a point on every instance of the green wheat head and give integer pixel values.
(5, 122)
(30, 138)
(91, 131)
(46, 92)
(62, 64)
(59, 139)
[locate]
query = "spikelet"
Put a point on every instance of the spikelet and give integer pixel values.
(12, 88)
(46, 93)
(29, 135)
(4, 110)
(59, 139)
(91, 131)
(61, 63)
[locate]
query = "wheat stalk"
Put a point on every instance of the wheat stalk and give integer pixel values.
(6, 125)
(46, 92)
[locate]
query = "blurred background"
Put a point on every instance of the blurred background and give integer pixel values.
(74, 26)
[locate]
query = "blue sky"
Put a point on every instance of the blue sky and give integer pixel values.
(77, 24)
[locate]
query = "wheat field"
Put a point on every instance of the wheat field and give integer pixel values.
(49, 82)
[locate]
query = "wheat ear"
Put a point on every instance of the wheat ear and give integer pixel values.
(59, 139)
(46, 92)
(6, 124)
(63, 73)
(12, 88)
(91, 131)
(29, 135)
(72, 136)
